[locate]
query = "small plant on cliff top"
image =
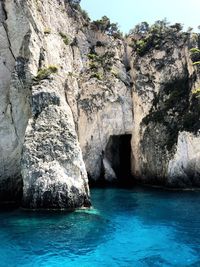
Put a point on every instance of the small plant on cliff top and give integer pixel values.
(104, 25)
(195, 55)
(145, 37)
(45, 73)
(75, 4)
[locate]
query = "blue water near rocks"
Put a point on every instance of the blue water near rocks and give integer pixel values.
(137, 228)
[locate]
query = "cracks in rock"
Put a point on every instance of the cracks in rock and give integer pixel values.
(6, 27)
(8, 38)
(13, 122)
(75, 122)
(99, 132)
(4, 24)
(3, 18)
(73, 53)
(2, 2)
(128, 68)
(123, 116)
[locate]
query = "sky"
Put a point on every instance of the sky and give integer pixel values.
(128, 13)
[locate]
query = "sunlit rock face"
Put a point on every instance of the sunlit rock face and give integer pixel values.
(69, 90)
(165, 139)
(53, 171)
(184, 167)
(15, 96)
(39, 143)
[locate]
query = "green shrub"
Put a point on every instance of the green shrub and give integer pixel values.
(196, 63)
(195, 55)
(141, 46)
(92, 56)
(194, 50)
(145, 37)
(65, 38)
(196, 91)
(76, 5)
(70, 74)
(104, 61)
(104, 25)
(45, 73)
(96, 75)
(53, 68)
(93, 65)
(84, 14)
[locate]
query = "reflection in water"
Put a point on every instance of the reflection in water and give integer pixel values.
(138, 227)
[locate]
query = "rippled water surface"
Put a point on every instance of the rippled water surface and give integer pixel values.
(138, 227)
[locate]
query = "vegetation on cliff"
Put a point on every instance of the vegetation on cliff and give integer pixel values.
(145, 37)
(45, 73)
(104, 25)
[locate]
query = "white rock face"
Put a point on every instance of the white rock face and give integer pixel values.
(14, 102)
(101, 106)
(165, 144)
(110, 113)
(52, 167)
(109, 172)
(66, 90)
(53, 171)
(185, 165)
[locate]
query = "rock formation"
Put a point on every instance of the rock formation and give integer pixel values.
(38, 139)
(166, 111)
(70, 91)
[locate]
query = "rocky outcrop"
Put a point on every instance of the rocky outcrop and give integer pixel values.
(166, 113)
(39, 142)
(184, 167)
(102, 97)
(53, 171)
(15, 93)
(73, 94)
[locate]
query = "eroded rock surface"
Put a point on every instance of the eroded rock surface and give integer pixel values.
(68, 88)
(39, 141)
(14, 102)
(165, 110)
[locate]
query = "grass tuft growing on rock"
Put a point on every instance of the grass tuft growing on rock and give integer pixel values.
(196, 92)
(96, 75)
(65, 38)
(196, 63)
(194, 50)
(45, 73)
(195, 55)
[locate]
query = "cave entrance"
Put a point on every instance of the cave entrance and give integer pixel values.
(118, 155)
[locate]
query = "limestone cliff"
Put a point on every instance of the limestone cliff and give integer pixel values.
(69, 93)
(39, 144)
(166, 109)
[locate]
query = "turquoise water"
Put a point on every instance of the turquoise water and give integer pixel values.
(136, 228)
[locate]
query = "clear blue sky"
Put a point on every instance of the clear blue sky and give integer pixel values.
(131, 12)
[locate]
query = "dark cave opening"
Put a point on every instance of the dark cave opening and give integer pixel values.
(118, 159)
